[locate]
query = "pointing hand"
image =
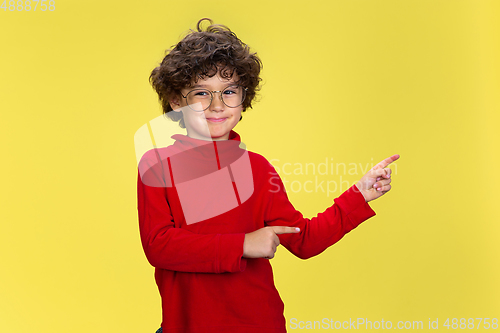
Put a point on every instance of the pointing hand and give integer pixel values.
(377, 181)
(262, 243)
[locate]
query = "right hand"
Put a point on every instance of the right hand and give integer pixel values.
(262, 243)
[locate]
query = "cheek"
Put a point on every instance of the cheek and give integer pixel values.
(237, 115)
(235, 119)
(194, 118)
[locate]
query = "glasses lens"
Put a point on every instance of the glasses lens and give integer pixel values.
(199, 99)
(233, 96)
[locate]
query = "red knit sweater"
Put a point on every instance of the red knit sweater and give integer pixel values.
(204, 282)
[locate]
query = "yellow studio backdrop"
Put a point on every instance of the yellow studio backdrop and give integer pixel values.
(345, 84)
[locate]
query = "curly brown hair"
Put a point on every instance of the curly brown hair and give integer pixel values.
(202, 54)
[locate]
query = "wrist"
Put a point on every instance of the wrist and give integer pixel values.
(362, 192)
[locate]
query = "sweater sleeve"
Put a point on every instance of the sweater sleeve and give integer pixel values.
(177, 249)
(320, 232)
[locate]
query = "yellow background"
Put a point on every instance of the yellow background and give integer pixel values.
(353, 81)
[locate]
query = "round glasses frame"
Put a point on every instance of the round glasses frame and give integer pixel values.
(212, 92)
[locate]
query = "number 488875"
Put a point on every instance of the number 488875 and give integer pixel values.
(28, 5)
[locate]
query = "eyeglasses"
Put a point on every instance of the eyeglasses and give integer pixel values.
(232, 96)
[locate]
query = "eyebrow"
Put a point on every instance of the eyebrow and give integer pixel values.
(206, 86)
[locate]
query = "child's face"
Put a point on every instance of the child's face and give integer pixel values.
(217, 120)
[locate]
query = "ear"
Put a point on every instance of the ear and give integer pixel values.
(175, 103)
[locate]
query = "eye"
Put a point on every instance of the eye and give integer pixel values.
(201, 93)
(231, 90)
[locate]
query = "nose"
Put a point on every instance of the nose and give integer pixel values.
(217, 104)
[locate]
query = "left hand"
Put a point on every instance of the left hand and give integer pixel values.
(377, 181)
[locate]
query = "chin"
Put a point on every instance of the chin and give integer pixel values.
(219, 135)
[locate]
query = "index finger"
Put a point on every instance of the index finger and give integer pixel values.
(285, 230)
(387, 161)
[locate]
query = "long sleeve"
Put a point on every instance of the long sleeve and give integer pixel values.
(320, 232)
(172, 248)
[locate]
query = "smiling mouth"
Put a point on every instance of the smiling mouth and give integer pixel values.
(216, 120)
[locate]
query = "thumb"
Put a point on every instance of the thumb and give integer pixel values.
(285, 230)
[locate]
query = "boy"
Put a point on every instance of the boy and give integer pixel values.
(211, 214)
